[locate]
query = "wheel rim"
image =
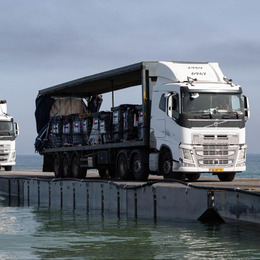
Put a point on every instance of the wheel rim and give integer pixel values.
(137, 166)
(122, 166)
(75, 168)
(167, 167)
(56, 166)
(66, 170)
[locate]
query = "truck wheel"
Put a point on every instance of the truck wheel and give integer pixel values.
(122, 170)
(193, 177)
(66, 166)
(227, 176)
(8, 168)
(166, 165)
(140, 170)
(76, 170)
(57, 166)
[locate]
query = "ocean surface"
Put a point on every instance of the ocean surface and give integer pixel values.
(38, 233)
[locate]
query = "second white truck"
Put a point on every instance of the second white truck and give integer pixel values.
(191, 121)
(8, 132)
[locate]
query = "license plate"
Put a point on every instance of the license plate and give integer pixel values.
(216, 169)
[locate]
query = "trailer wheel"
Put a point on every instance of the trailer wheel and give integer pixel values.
(166, 165)
(57, 166)
(66, 166)
(76, 170)
(227, 176)
(140, 170)
(122, 169)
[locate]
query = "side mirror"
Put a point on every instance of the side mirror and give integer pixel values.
(246, 108)
(16, 129)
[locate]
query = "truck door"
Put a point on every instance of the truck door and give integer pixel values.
(172, 128)
(161, 117)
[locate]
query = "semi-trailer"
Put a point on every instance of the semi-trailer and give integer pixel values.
(191, 121)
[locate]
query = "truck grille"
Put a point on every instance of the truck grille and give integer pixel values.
(215, 139)
(213, 155)
(4, 153)
(215, 150)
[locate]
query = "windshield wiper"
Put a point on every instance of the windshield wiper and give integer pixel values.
(231, 115)
(5, 133)
(206, 116)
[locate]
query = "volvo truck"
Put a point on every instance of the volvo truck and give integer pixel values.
(191, 120)
(8, 132)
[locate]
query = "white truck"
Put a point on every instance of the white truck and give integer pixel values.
(8, 132)
(193, 122)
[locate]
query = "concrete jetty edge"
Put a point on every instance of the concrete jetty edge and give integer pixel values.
(157, 199)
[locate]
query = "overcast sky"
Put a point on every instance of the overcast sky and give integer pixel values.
(44, 43)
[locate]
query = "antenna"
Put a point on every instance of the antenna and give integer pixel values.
(229, 81)
(191, 80)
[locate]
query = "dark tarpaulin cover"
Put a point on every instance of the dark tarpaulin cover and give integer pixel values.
(42, 112)
(42, 116)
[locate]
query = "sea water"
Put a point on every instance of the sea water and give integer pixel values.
(40, 233)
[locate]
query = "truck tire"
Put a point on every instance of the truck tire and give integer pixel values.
(66, 165)
(8, 168)
(192, 176)
(139, 168)
(227, 176)
(76, 170)
(122, 167)
(57, 168)
(166, 165)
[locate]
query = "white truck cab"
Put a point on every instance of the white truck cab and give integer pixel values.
(8, 132)
(197, 121)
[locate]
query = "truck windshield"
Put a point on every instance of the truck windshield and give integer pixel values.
(6, 128)
(212, 103)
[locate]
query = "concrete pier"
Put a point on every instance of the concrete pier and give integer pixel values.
(206, 199)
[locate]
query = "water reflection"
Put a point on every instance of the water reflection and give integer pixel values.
(32, 233)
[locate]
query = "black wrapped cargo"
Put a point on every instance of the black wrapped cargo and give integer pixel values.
(55, 133)
(130, 128)
(105, 121)
(76, 129)
(86, 126)
(66, 131)
(140, 122)
(95, 137)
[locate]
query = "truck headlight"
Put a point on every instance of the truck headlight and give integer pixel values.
(187, 155)
(241, 162)
(13, 156)
(242, 154)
